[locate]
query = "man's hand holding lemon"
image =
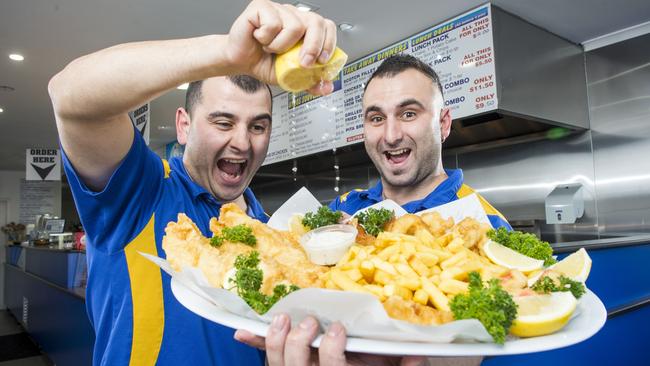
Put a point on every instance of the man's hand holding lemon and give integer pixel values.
(305, 44)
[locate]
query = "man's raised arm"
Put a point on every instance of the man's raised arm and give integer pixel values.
(93, 94)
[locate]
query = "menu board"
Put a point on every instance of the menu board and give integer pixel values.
(461, 52)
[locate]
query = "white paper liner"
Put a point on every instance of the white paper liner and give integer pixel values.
(362, 314)
(300, 203)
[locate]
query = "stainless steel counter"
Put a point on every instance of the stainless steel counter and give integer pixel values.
(621, 241)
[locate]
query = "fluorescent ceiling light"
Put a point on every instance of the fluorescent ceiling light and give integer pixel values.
(1, 110)
(183, 86)
(16, 57)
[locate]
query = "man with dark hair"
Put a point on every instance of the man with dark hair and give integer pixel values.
(125, 194)
(405, 124)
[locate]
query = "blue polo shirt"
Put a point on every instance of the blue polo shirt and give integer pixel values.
(449, 190)
(136, 318)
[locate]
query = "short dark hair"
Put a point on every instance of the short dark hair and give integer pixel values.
(246, 83)
(396, 64)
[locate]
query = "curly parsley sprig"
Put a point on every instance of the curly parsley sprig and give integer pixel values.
(236, 234)
(323, 217)
(373, 220)
(546, 285)
(248, 281)
(524, 243)
(491, 305)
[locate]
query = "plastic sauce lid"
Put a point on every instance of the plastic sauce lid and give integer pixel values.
(328, 244)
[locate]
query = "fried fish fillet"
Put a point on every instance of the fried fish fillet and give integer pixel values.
(282, 259)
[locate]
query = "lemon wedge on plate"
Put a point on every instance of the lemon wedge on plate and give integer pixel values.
(506, 257)
(542, 314)
(575, 266)
(294, 78)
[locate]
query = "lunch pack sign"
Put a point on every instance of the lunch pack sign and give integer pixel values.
(43, 164)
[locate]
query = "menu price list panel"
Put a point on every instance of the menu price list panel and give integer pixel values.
(461, 52)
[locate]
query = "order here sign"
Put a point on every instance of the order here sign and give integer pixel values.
(43, 164)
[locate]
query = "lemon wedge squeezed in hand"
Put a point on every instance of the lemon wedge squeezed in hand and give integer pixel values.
(294, 78)
(542, 314)
(506, 257)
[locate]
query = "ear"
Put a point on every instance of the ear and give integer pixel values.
(445, 123)
(183, 123)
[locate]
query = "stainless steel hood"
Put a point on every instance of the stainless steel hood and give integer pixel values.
(541, 88)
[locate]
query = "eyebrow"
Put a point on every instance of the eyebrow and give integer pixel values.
(410, 101)
(219, 114)
(263, 116)
(404, 103)
(372, 108)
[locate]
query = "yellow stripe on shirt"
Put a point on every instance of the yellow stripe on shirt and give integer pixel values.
(465, 191)
(166, 167)
(147, 298)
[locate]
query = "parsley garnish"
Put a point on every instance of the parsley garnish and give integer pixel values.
(323, 217)
(491, 305)
(240, 233)
(546, 285)
(236, 234)
(524, 243)
(373, 220)
(248, 281)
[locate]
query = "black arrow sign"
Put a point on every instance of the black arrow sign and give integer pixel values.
(144, 125)
(43, 172)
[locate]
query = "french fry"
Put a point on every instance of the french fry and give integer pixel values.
(383, 278)
(437, 298)
(345, 283)
(442, 241)
(421, 297)
(384, 266)
(419, 267)
(456, 245)
(411, 283)
(425, 237)
(453, 287)
(442, 254)
(354, 274)
(397, 290)
(351, 264)
(389, 251)
(407, 248)
(453, 260)
(405, 270)
(429, 259)
(367, 269)
(452, 273)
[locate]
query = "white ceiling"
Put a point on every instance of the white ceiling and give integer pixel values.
(51, 33)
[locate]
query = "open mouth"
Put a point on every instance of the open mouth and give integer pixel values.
(397, 156)
(232, 169)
